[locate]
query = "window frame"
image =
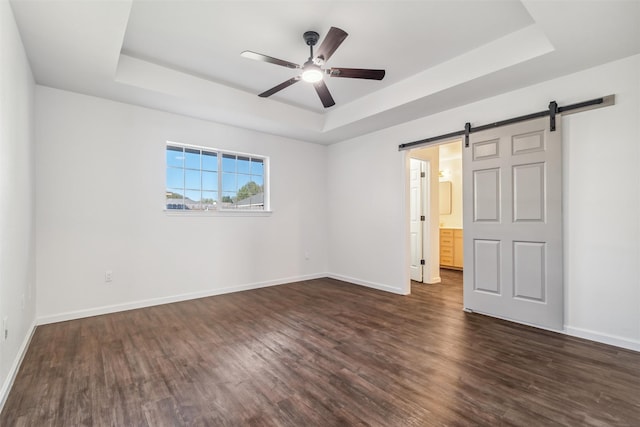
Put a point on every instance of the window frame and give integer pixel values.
(219, 210)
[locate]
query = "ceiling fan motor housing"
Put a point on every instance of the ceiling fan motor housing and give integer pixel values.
(311, 38)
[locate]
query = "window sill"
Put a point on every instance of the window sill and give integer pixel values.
(217, 213)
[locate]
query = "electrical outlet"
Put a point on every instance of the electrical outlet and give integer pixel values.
(108, 276)
(5, 328)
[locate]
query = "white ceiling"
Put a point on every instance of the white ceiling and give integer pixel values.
(184, 56)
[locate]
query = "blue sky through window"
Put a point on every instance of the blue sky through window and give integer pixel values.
(193, 173)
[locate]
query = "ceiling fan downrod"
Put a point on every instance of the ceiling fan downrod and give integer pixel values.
(311, 38)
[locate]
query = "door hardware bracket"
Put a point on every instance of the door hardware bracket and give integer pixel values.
(467, 131)
(553, 110)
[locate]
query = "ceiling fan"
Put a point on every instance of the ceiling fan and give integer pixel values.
(312, 70)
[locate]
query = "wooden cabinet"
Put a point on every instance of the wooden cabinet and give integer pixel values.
(458, 248)
(451, 248)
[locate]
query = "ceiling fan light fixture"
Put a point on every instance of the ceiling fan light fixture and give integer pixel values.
(312, 74)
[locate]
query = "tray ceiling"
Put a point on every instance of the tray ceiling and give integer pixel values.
(184, 56)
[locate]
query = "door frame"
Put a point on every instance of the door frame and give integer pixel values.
(424, 202)
(431, 247)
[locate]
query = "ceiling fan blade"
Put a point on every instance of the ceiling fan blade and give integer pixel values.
(334, 38)
(357, 73)
(281, 86)
(269, 59)
(323, 93)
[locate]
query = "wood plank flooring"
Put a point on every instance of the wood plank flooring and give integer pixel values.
(319, 353)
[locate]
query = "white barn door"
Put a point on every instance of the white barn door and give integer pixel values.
(513, 223)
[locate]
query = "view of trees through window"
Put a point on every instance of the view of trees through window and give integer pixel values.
(203, 179)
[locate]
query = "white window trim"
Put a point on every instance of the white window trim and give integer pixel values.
(267, 211)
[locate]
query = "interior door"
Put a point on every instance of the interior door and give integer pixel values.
(513, 223)
(415, 223)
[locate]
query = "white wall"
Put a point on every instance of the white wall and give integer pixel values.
(100, 192)
(367, 212)
(366, 194)
(17, 240)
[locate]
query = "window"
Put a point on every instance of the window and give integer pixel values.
(202, 179)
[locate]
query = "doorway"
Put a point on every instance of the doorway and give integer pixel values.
(435, 211)
(512, 220)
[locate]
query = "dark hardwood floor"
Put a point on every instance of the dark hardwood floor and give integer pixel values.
(319, 353)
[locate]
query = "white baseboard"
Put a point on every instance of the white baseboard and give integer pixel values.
(512, 320)
(367, 284)
(617, 341)
(15, 366)
(96, 311)
(598, 337)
